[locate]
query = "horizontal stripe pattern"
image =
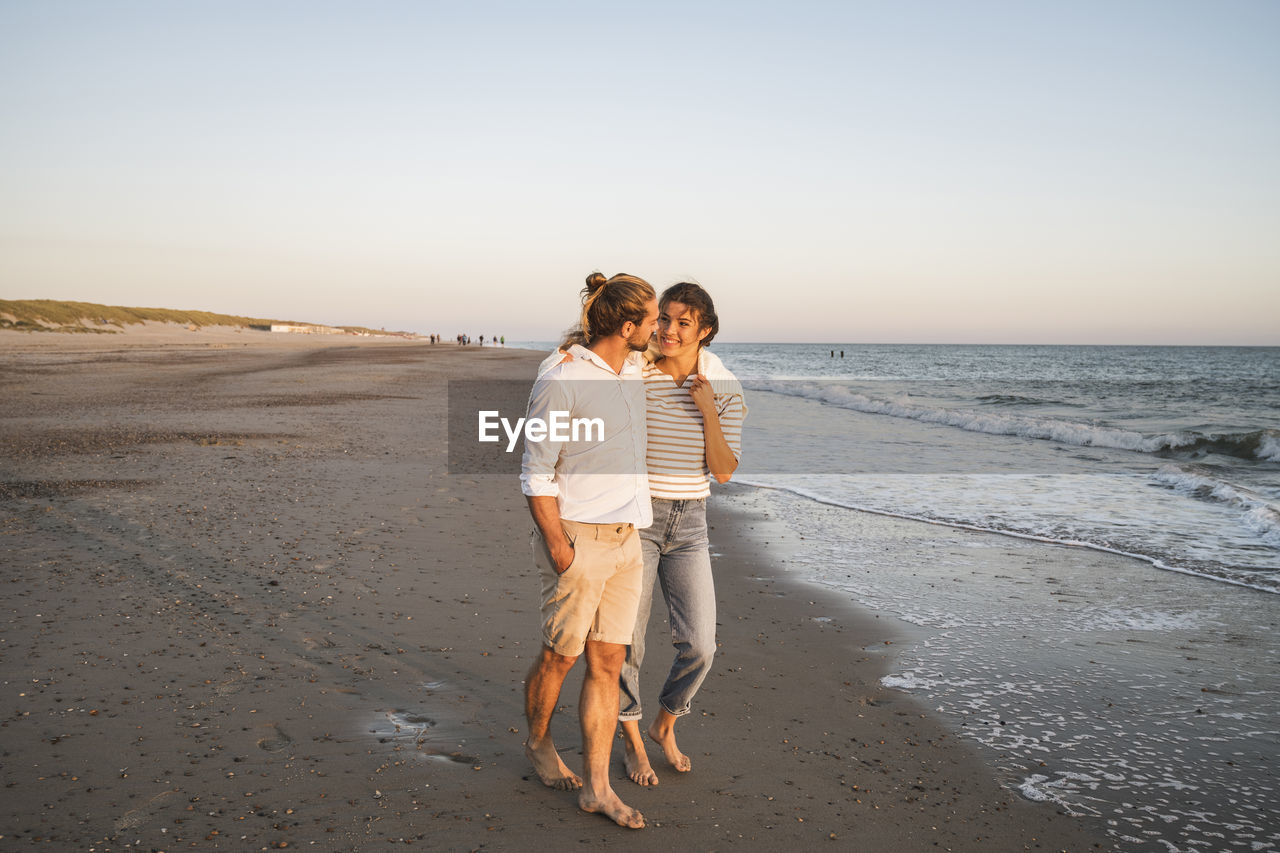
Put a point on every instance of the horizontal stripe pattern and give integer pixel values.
(677, 455)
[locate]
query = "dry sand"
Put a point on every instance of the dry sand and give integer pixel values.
(247, 607)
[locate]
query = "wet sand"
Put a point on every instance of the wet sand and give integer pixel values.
(248, 607)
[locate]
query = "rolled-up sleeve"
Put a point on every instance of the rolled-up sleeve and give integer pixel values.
(733, 411)
(538, 465)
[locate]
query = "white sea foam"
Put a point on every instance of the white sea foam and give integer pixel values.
(1260, 516)
(908, 681)
(1041, 789)
(911, 681)
(1117, 618)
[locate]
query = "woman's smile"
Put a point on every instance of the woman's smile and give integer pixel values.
(678, 329)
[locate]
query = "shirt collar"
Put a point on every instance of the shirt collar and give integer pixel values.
(630, 366)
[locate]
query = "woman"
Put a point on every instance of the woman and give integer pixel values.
(694, 412)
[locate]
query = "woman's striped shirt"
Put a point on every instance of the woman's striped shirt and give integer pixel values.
(677, 455)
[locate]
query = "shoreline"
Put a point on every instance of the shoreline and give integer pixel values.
(1086, 679)
(1154, 562)
(249, 606)
(892, 758)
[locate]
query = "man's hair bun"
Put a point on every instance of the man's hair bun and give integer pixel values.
(607, 303)
(595, 281)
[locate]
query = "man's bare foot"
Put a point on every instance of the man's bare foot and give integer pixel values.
(613, 808)
(550, 769)
(667, 740)
(638, 768)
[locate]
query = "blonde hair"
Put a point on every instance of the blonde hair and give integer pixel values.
(608, 303)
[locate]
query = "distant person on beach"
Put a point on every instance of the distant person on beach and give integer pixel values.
(586, 507)
(695, 410)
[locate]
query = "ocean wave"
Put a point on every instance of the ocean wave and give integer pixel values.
(1259, 515)
(1019, 400)
(1261, 445)
(1264, 582)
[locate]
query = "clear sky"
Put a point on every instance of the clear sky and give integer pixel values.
(1020, 171)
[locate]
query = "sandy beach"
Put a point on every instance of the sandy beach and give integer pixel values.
(249, 607)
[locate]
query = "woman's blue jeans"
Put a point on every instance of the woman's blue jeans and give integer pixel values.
(676, 554)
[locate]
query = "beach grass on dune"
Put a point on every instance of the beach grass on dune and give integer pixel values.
(59, 315)
(54, 315)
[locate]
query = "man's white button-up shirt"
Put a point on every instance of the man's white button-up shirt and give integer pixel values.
(594, 481)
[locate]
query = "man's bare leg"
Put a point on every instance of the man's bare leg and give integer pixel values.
(599, 714)
(541, 693)
(663, 732)
(639, 770)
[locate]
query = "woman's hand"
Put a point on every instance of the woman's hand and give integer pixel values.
(720, 459)
(703, 397)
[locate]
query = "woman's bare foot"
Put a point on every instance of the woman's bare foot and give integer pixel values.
(550, 769)
(663, 732)
(639, 770)
(637, 759)
(613, 808)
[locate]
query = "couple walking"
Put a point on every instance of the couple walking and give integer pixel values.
(614, 515)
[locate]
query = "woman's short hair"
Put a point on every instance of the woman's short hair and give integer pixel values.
(608, 303)
(697, 300)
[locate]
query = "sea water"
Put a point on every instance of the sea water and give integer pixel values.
(1145, 695)
(1171, 454)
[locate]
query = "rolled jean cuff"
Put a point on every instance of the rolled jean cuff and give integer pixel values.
(634, 717)
(674, 713)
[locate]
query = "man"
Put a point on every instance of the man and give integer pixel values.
(586, 504)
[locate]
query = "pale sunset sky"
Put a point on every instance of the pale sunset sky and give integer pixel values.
(1092, 171)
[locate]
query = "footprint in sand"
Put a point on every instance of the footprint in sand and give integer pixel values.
(137, 817)
(231, 685)
(275, 740)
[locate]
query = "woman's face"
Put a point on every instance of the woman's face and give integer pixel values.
(678, 329)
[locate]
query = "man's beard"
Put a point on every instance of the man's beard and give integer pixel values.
(641, 346)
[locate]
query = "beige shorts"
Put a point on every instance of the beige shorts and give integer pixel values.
(596, 598)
